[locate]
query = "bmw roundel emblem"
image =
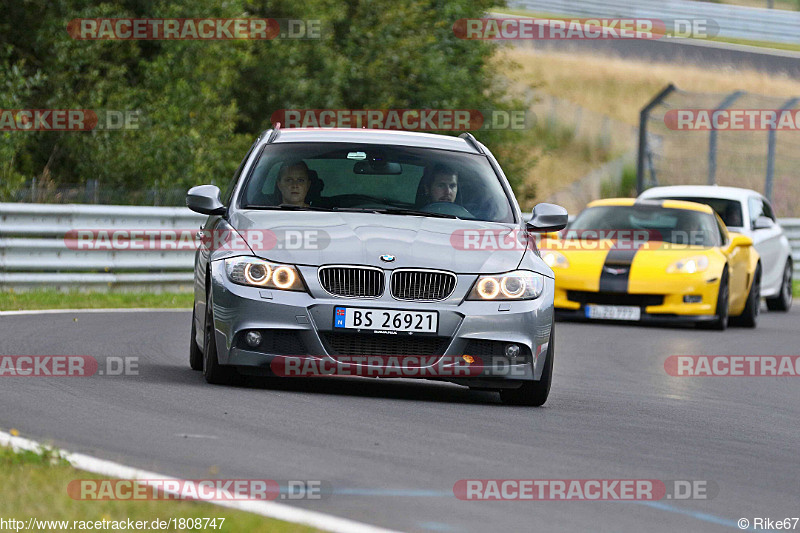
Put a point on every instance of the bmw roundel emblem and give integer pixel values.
(386, 258)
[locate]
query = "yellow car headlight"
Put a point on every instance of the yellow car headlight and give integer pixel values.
(256, 272)
(517, 285)
(689, 265)
(555, 259)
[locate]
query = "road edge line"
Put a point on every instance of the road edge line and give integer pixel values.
(268, 509)
(97, 310)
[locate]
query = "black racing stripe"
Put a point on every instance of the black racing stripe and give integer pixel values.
(616, 270)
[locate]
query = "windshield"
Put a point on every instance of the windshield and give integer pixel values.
(730, 211)
(394, 180)
(679, 226)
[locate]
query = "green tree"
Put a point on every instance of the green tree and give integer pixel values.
(201, 103)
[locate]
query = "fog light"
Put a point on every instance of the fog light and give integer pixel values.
(512, 351)
(692, 299)
(253, 338)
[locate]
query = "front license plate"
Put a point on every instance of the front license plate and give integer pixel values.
(613, 312)
(385, 320)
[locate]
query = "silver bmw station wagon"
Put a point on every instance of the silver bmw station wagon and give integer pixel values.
(373, 253)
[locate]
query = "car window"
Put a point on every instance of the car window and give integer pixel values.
(395, 179)
(228, 192)
(756, 210)
(729, 210)
(768, 210)
(679, 226)
(723, 232)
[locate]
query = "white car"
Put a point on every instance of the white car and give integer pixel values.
(747, 212)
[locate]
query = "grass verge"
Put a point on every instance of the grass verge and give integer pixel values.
(34, 485)
(53, 299)
(621, 87)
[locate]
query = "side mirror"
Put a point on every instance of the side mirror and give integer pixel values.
(204, 199)
(763, 223)
(547, 218)
(737, 239)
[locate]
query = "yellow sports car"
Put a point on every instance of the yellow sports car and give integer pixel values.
(646, 260)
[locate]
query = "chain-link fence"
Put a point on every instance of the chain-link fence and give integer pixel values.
(736, 139)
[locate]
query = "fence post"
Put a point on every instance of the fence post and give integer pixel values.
(771, 151)
(91, 191)
(712, 138)
(551, 114)
(644, 114)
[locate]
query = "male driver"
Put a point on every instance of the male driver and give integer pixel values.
(443, 185)
(293, 183)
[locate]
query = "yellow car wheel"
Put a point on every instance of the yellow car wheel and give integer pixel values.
(720, 321)
(749, 317)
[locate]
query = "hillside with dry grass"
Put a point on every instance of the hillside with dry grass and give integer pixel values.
(615, 87)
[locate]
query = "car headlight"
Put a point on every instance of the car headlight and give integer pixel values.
(517, 285)
(689, 265)
(555, 259)
(256, 272)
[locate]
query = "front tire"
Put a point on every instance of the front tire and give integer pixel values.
(214, 372)
(749, 317)
(195, 355)
(534, 393)
(720, 321)
(783, 302)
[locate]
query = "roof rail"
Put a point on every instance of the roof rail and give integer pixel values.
(471, 140)
(275, 132)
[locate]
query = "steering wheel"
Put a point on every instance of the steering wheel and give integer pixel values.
(448, 208)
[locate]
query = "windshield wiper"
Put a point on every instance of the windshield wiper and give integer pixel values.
(397, 211)
(290, 207)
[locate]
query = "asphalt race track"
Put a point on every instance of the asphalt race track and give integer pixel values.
(392, 450)
(709, 54)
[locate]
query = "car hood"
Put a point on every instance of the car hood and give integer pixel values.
(319, 238)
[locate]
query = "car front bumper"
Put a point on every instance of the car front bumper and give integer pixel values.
(671, 292)
(304, 322)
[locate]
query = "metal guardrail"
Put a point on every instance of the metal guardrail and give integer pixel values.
(753, 23)
(791, 227)
(34, 252)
